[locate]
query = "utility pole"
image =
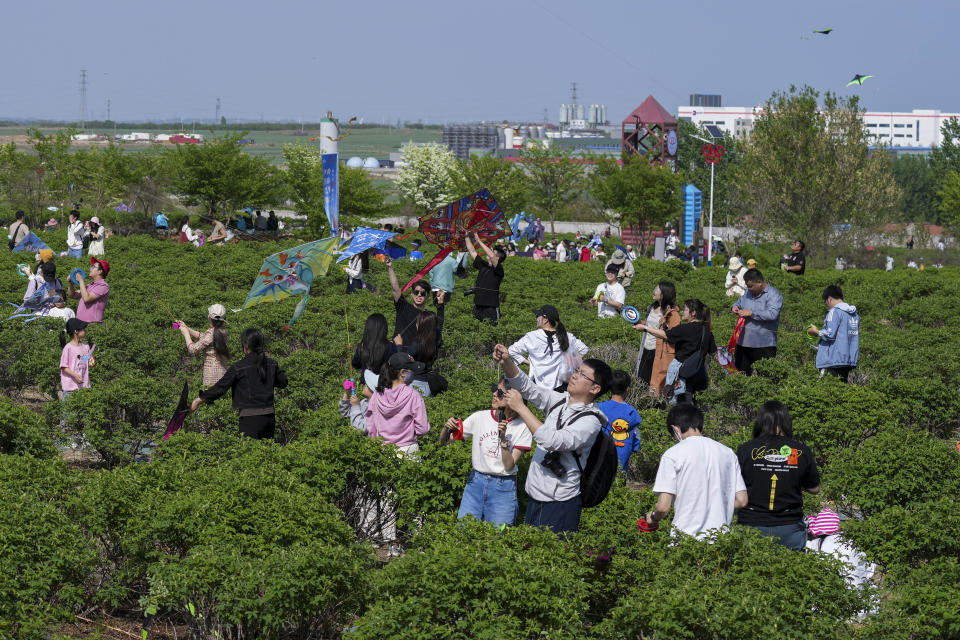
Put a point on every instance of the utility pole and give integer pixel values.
(216, 117)
(546, 115)
(108, 109)
(83, 99)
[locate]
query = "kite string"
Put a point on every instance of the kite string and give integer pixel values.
(164, 306)
(349, 347)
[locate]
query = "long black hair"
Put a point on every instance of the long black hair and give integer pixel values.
(668, 295)
(220, 346)
(426, 337)
(700, 310)
(64, 338)
(373, 345)
(561, 333)
(772, 415)
(387, 375)
(252, 339)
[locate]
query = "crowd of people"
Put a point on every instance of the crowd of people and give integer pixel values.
(705, 483)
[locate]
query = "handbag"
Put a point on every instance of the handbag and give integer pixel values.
(13, 234)
(691, 366)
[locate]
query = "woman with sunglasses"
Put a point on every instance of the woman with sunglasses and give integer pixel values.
(499, 439)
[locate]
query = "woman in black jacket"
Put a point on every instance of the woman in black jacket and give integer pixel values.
(252, 380)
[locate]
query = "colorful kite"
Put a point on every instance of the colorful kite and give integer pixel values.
(31, 244)
(825, 32)
(725, 354)
(449, 226)
(363, 239)
(183, 408)
(40, 298)
(858, 79)
(291, 272)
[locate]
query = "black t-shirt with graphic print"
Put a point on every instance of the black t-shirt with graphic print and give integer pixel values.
(775, 470)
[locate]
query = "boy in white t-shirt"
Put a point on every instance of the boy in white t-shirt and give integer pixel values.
(499, 438)
(610, 295)
(700, 477)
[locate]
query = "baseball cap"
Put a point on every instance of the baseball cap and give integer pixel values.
(549, 312)
(402, 360)
(217, 312)
(74, 324)
(104, 265)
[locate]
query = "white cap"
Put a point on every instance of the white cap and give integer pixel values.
(217, 312)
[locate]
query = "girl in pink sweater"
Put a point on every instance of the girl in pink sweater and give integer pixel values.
(396, 411)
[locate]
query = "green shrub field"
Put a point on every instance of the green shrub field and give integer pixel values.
(226, 537)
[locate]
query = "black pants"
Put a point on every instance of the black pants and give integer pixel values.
(559, 517)
(645, 364)
(354, 284)
(259, 427)
(487, 313)
(744, 357)
(841, 372)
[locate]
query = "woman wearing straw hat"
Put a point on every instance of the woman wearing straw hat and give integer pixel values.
(212, 342)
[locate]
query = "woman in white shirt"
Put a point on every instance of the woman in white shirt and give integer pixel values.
(734, 282)
(553, 353)
(95, 233)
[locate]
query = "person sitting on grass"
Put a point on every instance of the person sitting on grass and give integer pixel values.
(499, 439)
(623, 418)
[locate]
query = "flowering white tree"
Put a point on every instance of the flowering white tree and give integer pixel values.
(427, 178)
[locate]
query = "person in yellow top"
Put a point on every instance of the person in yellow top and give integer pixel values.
(212, 343)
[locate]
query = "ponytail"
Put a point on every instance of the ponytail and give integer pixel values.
(63, 338)
(387, 375)
(700, 311)
(562, 338)
(253, 339)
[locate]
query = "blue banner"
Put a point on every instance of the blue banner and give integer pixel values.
(331, 189)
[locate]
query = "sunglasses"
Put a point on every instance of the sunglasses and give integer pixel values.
(497, 391)
(419, 292)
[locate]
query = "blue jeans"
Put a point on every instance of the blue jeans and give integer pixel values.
(76, 253)
(791, 536)
(490, 498)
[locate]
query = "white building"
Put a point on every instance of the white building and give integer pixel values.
(917, 128)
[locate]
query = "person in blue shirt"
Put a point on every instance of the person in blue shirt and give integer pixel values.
(160, 221)
(623, 419)
(415, 253)
(839, 347)
(760, 307)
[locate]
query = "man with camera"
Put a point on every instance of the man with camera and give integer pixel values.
(486, 290)
(564, 439)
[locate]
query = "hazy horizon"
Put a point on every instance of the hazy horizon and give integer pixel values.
(442, 62)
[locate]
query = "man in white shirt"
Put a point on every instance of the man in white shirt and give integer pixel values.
(499, 438)
(75, 235)
(610, 295)
(699, 477)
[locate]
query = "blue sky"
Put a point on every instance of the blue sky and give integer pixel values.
(456, 61)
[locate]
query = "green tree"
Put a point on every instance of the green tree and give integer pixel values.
(427, 178)
(220, 177)
(505, 181)
(918, 189)
(807, 168)
(644, 195)
(19, 181)
(359, 197)
(556, 179)
(694, 170)
(949, 195)
(55, 167)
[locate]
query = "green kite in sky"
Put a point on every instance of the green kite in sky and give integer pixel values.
(824, 32)
(858, 79)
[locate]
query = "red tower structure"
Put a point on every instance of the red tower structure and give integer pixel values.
(651, 131)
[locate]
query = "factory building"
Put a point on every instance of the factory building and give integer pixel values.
(466, 139)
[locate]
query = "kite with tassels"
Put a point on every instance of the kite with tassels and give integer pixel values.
(449, 226)
(290, 273)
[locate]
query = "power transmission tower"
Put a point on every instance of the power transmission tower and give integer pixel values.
(108, 109)
(573, 92)
(546, 115)
(83, 99)
(216, 118)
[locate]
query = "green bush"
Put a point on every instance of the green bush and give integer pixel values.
(23, 432)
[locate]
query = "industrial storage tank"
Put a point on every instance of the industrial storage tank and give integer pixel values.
(603, 114)
(592, 114)
(508, 137)
(564, 114)
(355, 162)
(329, 132)
(541, 132)
(371, 163)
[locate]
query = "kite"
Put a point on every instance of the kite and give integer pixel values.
(449, 226)
(825, 32)
(31, 244)
(183, 408)
(37, 303)
(339, 138)
(363, 239)
(858, 79)
(290, 273)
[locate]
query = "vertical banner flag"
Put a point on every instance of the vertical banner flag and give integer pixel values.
(331, 188)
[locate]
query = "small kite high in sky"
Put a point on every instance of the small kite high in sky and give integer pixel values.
(858, 79)
(448, 226)
(823, 32)
(291, 272)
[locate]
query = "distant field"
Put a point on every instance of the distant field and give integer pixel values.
(378, 142)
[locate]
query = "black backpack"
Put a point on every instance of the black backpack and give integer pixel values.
(597, 476)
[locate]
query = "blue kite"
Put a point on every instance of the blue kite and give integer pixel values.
(31, 244)
(365, 238)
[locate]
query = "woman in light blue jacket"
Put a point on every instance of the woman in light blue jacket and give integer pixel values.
(839, 347)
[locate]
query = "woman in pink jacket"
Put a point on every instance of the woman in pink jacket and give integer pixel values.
(396, 411)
